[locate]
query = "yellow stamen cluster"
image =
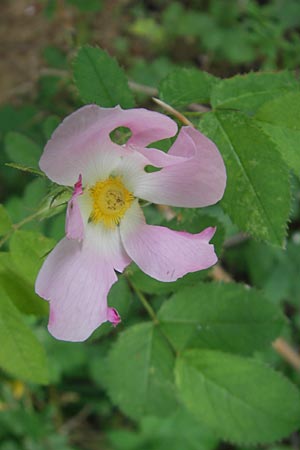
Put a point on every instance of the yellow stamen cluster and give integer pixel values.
(110, 201)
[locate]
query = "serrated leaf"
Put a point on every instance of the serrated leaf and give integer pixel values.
(243, 400)
(27, 251)
(22, 150)
(99, 79)
(140, 372)
(248, 92)
(5, 221)
(280, 119)
(257, 196)
(21, 354)
(184, 86)
(227, 317)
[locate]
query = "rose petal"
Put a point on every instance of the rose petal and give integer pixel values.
(113, 316)
(107, 244)
(74, 220)
(162, 253)
(197, 180)
(84, 135)
(76, 282)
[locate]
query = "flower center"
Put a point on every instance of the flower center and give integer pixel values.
(110, 201)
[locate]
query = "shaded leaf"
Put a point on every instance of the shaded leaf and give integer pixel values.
(279, 118)
(228, 317)
(22, 150)
(20, 352)
(5, 221)
(243, 400)
(27, 252)
(140, 372)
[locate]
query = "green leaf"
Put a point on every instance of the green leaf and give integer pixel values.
(243, 400)
(5, 221)
(149, 285)
(177, 431)
(100, 79)
(19, 290)
(22, 150)
(184, 86)
(21, 293)
(140, 372)
(21, 354)
(248, 92)
(27, 251)
(228, 317)
(257, 196)
(279, 118)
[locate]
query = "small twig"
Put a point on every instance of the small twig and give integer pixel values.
(218, 273)
(287, 352)
(143, 89)
(75, 420)
(167, 212)
(173, 112)
(197, 108)
(236, 239)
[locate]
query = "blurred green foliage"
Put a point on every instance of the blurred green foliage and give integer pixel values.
(97, 397)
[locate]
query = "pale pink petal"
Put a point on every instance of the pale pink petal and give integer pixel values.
(74, 220)
(162, 253)
(158, 158)
(198, 179)
(84, 135)
(107, 244)
(76, 282)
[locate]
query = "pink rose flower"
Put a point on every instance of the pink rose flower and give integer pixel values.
(105, 225)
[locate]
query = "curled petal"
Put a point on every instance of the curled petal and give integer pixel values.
(76, 282)
(113, 316)
(197, 177)
(83, 137)
(74, 220)
(162, 253)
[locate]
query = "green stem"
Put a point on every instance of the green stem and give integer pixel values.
(27, 219)
(152, 314)
(146, 304)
